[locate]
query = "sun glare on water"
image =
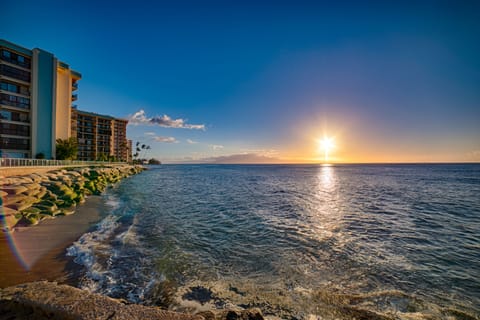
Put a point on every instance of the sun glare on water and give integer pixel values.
(326, 145)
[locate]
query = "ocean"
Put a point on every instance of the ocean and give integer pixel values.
(296, 241)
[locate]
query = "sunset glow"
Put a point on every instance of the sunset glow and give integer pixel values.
(326, 145)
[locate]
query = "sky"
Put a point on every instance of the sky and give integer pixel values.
(264, 81)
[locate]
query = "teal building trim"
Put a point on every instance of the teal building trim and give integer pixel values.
(45, 83)
(17, 48)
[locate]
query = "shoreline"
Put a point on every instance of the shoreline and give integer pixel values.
(38, 252)
(42, 214)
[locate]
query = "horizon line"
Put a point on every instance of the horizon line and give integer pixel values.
(323, 163)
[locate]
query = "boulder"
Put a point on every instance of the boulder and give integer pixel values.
(33, 218)
(23, 204)
(32, 186)
(14, 198)
(68, 211)
(13, 189)
(32, 192)
(48, 300)
(46, 208)
(9, 217)
(41, 193)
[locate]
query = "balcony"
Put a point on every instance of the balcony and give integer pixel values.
(74, 86)
(14, 130)
(74, 97)
(19, 61)
(14, 144)
(14, 101)
(14, 73)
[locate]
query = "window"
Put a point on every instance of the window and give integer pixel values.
(15, 129)
(14, 143)
(14, 116)
(14, 73)
(6, 54)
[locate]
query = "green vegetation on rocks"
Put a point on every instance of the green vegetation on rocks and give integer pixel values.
(26, 200)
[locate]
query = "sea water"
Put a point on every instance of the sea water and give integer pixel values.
(296, 241)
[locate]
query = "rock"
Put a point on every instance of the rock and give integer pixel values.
(42, 196)
(35, 177)
(73, 173)
(13, 189)
(31, 210)
(68, 210)
(207, 315)
(50, 195)
(32, 186)
(32, 218)
(13, 198)
(48, 300)
(25, 203)
(46, 208)
(9, 218)
(248, 314)
(42, 192)
(44, 216)
(32, 192)
(252, 314)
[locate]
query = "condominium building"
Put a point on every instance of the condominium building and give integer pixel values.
(100, 137)
(129, 151)
(36, 95)
(120, 147)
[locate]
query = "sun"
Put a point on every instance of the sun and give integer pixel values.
(326, 145)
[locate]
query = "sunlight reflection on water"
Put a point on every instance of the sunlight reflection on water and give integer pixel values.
(296, 239)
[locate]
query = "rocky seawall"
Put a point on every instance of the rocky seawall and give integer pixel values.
(28, 199)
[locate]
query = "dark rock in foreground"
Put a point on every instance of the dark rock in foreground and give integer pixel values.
(48, 300)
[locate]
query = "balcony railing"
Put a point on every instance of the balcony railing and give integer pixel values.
(19, 162)
(12, 72)
(23, 64)
(15, 104)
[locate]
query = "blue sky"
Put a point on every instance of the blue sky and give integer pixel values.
(390, 82)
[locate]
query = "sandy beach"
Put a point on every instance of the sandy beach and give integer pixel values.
(38, 252)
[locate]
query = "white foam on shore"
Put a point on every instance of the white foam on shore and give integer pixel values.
(113, 202)
(116, 263)
(86, 250)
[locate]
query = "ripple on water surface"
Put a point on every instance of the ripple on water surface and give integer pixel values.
(398, 241)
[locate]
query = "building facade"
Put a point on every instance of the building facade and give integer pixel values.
(36, 95)
(99, 137)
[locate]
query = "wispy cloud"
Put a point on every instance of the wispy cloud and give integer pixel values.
(149, 133)
(165, 139)
(191, 141)
(216, 147)
(140, 118)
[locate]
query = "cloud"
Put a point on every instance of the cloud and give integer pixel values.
(140, 118)
(149, 133)
(216, 147)
(191, 141)
(165, 139)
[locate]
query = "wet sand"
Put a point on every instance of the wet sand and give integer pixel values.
(38, 252)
